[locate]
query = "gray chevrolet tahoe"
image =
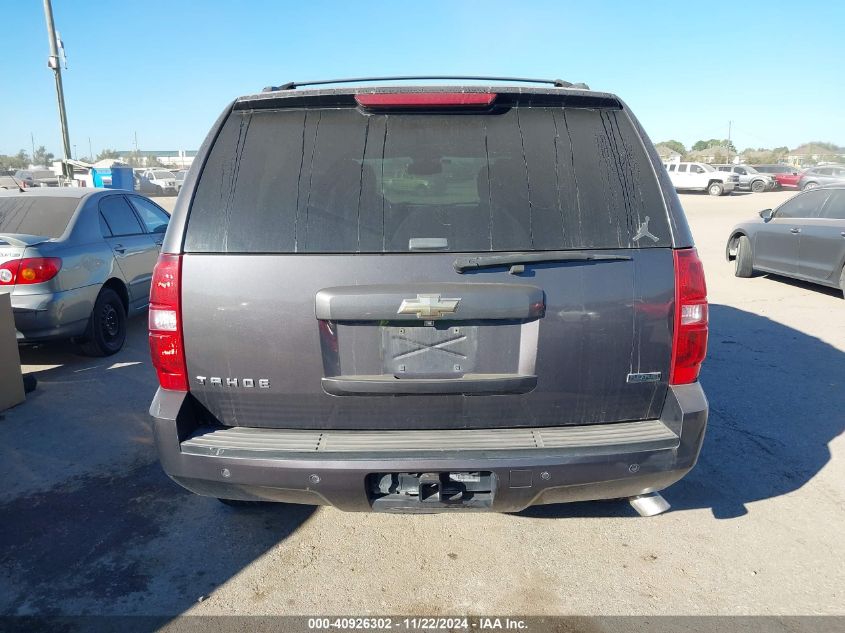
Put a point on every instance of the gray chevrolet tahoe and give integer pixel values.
(420, 299)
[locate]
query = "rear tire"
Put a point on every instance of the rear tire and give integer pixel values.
(715, 189)
(758, 186)
(743, 263)
(106, 331)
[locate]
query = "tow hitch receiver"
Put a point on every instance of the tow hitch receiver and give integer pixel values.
(430, 492)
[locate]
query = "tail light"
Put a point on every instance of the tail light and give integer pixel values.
(690, 338)
(165, 320)
(30, 270)
(411, 100)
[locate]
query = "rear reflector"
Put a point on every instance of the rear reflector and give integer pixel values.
(165, 315)
(31, 270)
(409, 100)
(690, 339)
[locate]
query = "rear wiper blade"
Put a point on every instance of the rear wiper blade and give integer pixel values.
(463, 264)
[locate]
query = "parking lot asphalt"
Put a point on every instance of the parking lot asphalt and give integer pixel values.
(90, 524)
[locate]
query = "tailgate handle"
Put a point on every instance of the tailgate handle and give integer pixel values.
(470, 384)
(446, 301)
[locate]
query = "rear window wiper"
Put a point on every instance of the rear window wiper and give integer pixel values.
(463, 264)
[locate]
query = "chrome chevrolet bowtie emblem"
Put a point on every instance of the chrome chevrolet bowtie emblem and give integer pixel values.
(428, 306)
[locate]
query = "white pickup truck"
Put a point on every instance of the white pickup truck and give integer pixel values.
(701, 177)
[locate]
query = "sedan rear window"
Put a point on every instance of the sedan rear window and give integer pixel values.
(36, 215)
(340, 181)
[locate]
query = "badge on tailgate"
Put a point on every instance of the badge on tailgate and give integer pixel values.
(428, 306)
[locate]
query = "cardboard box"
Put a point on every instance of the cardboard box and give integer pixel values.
(11, 381)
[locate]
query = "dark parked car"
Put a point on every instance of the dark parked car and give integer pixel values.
(526, 329)
(786, 176)
(819, 176)
(803, 238)
(37, 178)
(77, 262)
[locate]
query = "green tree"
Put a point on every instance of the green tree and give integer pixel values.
(830, 147)
(714, 142)
(43, 157)
(135, 159)
(675, 146)
(18, 161)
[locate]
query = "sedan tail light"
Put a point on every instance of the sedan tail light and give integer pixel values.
(165, 322)
(30, 270)
(689, 344)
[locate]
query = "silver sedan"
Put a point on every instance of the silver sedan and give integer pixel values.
(78, 262)
(803, 238)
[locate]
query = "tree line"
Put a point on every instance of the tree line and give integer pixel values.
(724, 150)
(43, 158)
(22, 159)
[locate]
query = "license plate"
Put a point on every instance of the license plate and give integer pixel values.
(424, 351)
(466, 478)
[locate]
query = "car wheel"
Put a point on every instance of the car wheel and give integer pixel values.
(809, 185)
(715, 189)
(743, 263)
(758, 186)
(842, 281)
(106, 332)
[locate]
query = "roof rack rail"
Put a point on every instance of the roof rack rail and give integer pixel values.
(558, 83)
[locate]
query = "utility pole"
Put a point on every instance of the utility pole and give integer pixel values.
(90, 151)
(56, 67)
(32, 140)
(729, 138)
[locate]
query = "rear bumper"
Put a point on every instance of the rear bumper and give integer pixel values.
(599, 462)
(53, 315)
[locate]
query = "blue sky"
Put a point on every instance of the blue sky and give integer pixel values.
(165, 69)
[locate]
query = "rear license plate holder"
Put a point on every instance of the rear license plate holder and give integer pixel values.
(425, 351)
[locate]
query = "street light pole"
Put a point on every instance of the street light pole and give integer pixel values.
(53, 63)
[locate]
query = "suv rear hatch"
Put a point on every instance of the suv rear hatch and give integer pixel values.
(427, 264)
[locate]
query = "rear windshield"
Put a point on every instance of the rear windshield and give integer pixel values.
(341, 181)
(36, 215)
